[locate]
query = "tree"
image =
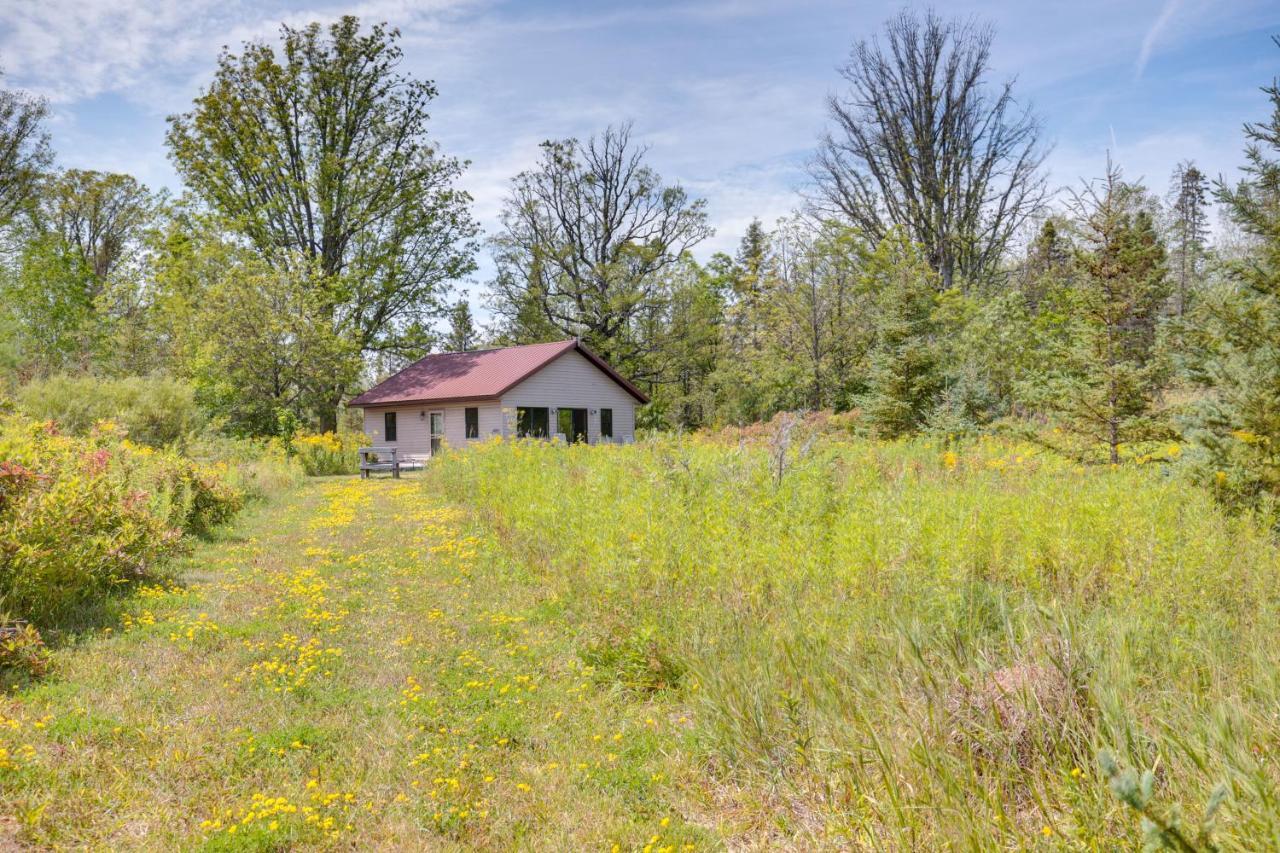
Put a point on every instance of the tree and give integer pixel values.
(263, 345)
(750, 286)
(904, 376)
(102, 215)
(812, 312)
(48, 296)
(1239, 424)
(1188, 231)
(586, 236)
(462, 330)
(319, 155)
(688, 340)
(921, 142)
(1109, 374)
(24, 151)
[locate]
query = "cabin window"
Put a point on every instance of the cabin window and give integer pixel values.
(389, 426)
(473, 423)
(606, 423)
(572, 424)
(532, 422)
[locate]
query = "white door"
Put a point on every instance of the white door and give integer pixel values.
(436, 420)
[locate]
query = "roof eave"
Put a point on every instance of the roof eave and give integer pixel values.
(414, 401)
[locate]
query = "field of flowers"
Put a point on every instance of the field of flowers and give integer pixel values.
(684, 644)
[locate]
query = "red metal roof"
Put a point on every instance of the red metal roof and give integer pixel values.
(478, 375)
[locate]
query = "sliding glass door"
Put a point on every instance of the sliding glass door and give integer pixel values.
(572, 423)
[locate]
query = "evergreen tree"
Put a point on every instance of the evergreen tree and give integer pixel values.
(1188, 232)
(1239, 425)
(462, 330)
(904, 373)
(1105, 385)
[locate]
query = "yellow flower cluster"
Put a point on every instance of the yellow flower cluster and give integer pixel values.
(192, 629)
(295, 661)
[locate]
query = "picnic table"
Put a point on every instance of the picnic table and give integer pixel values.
(385, 459)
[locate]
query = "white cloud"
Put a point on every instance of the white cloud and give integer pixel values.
(1157, 29)
(71, 50)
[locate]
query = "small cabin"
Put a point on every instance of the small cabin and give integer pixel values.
(559, 389)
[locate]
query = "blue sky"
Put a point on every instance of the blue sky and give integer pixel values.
(728, 94)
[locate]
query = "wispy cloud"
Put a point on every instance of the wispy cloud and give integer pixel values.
(1154, 32)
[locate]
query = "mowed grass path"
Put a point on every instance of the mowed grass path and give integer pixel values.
(345, 667)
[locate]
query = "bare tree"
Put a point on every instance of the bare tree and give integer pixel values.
(24, 151)
(920, 141)
(585, 237)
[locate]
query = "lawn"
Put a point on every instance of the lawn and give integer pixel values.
(680, 645)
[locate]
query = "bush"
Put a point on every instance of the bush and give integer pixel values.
(22, 653)
(82, 518)
(328, 453)
(258, 467)
(155, 411)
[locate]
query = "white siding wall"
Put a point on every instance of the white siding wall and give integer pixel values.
(573, 382)
(412, 435)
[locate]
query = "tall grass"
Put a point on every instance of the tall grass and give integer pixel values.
(903, 646)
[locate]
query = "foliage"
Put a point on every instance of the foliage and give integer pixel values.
(318, 155)
(586, 236)
(83, 517)
(23, 654)
(328, 453)
(1236, 354)
(904, 375)
(48, 299)
(24, 151)
(157, 411)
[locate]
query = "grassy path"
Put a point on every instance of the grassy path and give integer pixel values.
(348, 667)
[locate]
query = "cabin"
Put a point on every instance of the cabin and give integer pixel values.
(555, 390)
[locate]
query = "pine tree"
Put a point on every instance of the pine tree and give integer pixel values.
(462, 329)
(1108, 378)
(1240, 356)
(1188, 232)
(904, 373)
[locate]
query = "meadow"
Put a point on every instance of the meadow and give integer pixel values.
(689, 643)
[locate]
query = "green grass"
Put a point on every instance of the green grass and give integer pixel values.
(666, 646)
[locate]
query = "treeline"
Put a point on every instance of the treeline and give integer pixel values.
(929, 280)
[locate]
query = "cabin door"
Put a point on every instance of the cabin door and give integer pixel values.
(436, 423)
(573, 424)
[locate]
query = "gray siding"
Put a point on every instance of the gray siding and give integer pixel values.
(571, 381)
(412, 432)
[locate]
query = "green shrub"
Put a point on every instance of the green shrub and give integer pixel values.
(155, 411)
(84, 517)
(23, 655)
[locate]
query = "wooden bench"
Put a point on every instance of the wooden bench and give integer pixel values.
(385, 459)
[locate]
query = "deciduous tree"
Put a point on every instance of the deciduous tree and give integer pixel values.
(920, 140)
(317, 152)
(586, 236)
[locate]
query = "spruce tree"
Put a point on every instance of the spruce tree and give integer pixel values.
(1188, 233)
(1240, 356)
(904, 373)
(1106, 383)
